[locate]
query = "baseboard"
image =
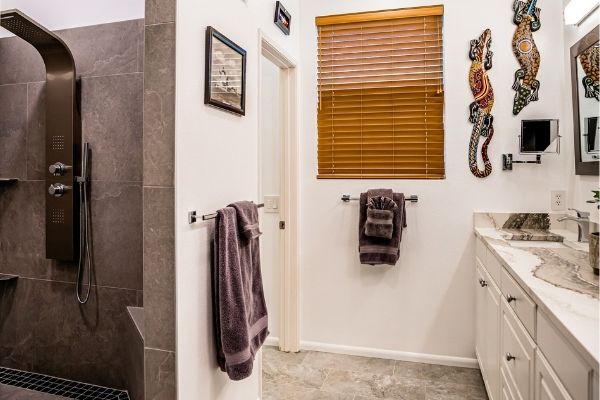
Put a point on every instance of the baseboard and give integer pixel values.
(272, 341)
(391, 354)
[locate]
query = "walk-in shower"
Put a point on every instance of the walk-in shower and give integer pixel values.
(67, 175)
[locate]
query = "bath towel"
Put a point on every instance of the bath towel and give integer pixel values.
(375, 250)
(239, 307)
(380, 217)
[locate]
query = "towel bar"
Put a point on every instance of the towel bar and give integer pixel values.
(413, 198)
(193, 215)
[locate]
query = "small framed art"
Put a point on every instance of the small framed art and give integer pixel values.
(283, 19)
(225, 75)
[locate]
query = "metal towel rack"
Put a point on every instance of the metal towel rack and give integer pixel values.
(413, 198)
(193, 215)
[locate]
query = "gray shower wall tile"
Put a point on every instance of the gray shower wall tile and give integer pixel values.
(21, 63)
(160, 11)
(13, 131)
(160, 375)
(61, 338)
(159, 105)
(134, 362)
(36, 131)
(159, 268)
(117, 233)
(112, 122)
(107, 49)
(98, 50)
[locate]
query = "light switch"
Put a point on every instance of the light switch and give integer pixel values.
(272, 204)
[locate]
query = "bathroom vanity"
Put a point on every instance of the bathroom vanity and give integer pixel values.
(536, 313)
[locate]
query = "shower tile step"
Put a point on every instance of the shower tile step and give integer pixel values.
(59, 388)
(8, 180)
(16, 393)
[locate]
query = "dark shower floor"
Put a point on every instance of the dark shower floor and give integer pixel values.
(21, 385)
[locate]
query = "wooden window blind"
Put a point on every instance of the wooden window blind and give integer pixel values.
(380, 95)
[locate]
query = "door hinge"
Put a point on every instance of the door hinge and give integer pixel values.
(281, 224)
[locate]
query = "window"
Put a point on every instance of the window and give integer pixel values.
(381, 97)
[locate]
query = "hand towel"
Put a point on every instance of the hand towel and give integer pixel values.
(380, 217)
(375, 250)
(239, 307)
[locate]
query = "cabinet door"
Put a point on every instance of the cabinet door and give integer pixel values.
(492, 331)
(547, 384)
(487, 336)
(480, 319)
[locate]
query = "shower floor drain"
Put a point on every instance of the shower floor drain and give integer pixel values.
(58, 386)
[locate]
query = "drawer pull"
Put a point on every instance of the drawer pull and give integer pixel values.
(510, 357)
(510, 298)
(482, 283)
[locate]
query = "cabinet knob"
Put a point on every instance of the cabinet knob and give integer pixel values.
(482, 283)
(510, 357)
(510, 298)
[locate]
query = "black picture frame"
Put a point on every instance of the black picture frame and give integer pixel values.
(222, 90)
(283, 19)
(590, 167)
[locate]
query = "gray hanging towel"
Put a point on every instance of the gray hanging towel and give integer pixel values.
(376, 250)
(380, 217)
(239, 307)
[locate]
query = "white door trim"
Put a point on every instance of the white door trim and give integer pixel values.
(289, 336)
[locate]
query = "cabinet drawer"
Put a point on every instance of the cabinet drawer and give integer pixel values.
(507, 387)
(572, 370)
(519, 301)
(547, 386)
(516, 352)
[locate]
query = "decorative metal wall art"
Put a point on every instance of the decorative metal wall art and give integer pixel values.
(527, 19)
(480, 110)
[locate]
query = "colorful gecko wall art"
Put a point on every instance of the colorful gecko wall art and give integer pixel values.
(527, 19)
(480, 110)
(589, 62)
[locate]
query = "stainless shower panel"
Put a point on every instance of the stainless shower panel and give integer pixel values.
(63, 135)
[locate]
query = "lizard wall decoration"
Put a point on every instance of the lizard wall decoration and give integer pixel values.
(527, 18)
(480, 110)
(589, 62)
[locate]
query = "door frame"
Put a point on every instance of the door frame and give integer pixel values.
(289, 293)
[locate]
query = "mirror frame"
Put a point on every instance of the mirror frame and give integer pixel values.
(590, 167)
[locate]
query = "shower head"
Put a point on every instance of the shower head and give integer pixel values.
(48, 44)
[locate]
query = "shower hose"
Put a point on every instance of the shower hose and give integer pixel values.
(85, 248)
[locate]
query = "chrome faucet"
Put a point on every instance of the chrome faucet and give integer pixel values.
(583, 223)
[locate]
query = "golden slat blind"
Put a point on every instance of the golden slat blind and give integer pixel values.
(381, 97)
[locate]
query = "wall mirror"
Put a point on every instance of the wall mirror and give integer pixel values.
(584, 81)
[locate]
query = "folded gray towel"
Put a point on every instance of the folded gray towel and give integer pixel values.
(376, 250)
(380, 216)
(239, 307)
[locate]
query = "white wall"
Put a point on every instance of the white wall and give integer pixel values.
(64, 14)
(579, 186)
(216, 163)
(425, 303)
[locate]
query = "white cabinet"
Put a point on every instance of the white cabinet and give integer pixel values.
(488, 331)
(521, 353)
(547, 386)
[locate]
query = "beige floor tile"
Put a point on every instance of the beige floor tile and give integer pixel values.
(281, 391)
(343, 362)
(373, 385)
(300, 374)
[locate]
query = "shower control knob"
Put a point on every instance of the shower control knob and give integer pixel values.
(58, 169)
(57, 189)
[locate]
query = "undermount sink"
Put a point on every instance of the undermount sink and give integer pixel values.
(536, 244)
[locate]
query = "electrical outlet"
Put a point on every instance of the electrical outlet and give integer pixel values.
(558, 200)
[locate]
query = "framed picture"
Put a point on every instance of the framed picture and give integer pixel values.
(283, 19)
(225, 75)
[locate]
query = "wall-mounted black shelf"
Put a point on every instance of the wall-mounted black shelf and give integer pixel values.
(6, 181)
(8, 278)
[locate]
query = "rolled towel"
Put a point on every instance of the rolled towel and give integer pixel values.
(380, 217)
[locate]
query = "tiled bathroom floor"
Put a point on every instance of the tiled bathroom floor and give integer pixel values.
(15, 393)
(326, 376)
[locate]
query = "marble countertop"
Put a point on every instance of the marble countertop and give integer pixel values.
(558, 278)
